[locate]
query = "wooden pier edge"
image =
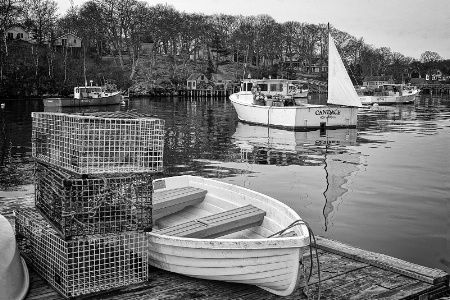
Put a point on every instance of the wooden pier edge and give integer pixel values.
(428, 275)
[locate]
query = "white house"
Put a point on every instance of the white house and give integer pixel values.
(68, 40)
(17, 33)
(196, 80)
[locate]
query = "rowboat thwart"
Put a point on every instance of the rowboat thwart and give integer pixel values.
(213, 230)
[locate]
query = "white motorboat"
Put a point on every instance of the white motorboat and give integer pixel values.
(86, 96)
(253, 105)
(389, 94)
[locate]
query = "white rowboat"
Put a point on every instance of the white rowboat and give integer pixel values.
(248, 256)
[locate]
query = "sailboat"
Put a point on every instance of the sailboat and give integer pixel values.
(253, 105)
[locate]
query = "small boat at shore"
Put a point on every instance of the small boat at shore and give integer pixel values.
(14, 277)
(389, 94)
(259, 107)
(87, 96)
(209, 229)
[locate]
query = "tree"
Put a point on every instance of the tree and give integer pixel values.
(430, 61)
(41, 17)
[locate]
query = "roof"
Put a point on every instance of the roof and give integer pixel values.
(16, 26)
(67, 35)
(377, 78)
(195, 76)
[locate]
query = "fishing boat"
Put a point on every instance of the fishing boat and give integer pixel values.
(388, 94)
(14, 277)
(86, 96)
(259, 107)
(209, 229)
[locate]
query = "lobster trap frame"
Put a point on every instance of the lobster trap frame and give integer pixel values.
(102, 204)
(82, 265)
(102, 142)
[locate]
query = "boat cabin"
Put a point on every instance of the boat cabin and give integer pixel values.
(88, 92)
(267, 86)
(389, 90)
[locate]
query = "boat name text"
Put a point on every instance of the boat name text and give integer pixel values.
(328, 112)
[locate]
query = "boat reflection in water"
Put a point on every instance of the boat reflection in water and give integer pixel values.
(330, 148)
(81, 109)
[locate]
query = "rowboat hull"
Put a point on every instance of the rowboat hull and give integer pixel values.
(247, 256)
(293, 117)
(113, 99)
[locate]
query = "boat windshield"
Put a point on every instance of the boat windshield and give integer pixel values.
(264, 87)
(90, 89)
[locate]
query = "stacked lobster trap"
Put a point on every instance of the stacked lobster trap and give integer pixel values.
(93, 175)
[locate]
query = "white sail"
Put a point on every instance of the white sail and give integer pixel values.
(340, 88)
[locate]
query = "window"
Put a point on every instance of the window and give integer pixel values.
(19, 36)
(64, 42)
(10, 35)
(276, 87)
(264, 87)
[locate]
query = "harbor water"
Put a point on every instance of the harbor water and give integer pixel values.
(382, 187)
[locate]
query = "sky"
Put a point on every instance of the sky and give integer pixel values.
(410, 27)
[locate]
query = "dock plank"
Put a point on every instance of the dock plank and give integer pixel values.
(429, 275)
(342, 277)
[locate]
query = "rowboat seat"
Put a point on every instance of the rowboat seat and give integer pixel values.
(173, 200)
(217, 225)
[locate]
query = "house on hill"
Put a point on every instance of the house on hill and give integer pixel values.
(434, 75)
(376, 81)
(17, 33)
(70, 41)
(196, 81)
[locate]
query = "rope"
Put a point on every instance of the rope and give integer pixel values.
(311, 234)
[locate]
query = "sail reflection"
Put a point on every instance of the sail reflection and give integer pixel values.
(331, 149)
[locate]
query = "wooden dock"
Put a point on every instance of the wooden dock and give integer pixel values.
(346, 273)
(204, 93)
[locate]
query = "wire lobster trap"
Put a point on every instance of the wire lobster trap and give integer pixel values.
(101, 142)
(82, 265)
(102, 204)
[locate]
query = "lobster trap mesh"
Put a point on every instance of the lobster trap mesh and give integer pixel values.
(102, 142)
(82, 265)
(82, 206)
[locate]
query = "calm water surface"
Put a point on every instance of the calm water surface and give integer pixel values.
(383, 187)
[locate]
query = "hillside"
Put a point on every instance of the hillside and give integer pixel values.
(166, 75)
